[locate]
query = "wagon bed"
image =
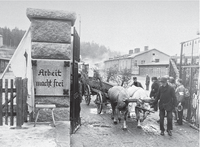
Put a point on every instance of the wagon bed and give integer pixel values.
(99, 88)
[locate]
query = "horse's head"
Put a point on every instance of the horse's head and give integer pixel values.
(131, 90)
(122, 97)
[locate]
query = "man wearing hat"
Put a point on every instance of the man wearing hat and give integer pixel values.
(136, 83)
(167, 102)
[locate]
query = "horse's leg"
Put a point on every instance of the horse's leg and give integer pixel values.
(113, 111)
(129, 109)
(116, 114)
(125, 116)
(145, 113)
(119, 115)
(137, 112)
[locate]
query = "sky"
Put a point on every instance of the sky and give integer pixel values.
(119, 25)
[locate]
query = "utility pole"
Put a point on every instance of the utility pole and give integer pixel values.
(79, 25)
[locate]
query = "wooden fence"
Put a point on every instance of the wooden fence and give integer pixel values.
(13, 96)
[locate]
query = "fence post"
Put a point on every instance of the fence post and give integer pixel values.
(6, 101)
(1, 112)
(24, 98)
(11, 103)
(19, 100)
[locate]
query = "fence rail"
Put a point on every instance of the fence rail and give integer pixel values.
(13, 96)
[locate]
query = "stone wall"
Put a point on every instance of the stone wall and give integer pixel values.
(51, 33)
(51, 40)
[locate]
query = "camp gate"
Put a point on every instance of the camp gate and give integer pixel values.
(74, 93)
(188, 70)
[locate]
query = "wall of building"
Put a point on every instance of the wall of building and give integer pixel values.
(111, 63)
(153, 70)
(3, 64)
(124, 64)
(148, 57)
(141, 59)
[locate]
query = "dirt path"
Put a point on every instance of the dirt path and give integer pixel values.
(98, 130)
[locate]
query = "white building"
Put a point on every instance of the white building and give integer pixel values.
(139, 62)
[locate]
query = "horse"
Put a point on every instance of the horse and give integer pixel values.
(120, 99)
(118, 96)
(142, 104)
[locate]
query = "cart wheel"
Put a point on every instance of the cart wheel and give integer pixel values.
(87, 95)
(99, 103)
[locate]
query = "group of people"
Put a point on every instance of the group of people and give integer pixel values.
(169, 95)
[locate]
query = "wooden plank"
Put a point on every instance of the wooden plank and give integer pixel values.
(1, 112)
(19, 100)
(9, 90)
(6, 101)
(135, 100)
(45, 106)
(24, 115)
(11, 103)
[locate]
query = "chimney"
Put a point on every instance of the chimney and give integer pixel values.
(130, 52)
(1, 40)
(137, 50)
(146, 48)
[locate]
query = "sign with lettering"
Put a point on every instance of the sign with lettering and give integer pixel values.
(51, 77)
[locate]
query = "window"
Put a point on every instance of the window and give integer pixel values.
(157, 60)
(135, 63)
(142, 61)
(153, 57)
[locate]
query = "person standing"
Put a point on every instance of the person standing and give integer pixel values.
(180, 94)
(147, 82)
(136, 83)
(154, 90)
(172, 83)
(167, 102)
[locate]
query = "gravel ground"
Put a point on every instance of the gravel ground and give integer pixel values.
(98, 130)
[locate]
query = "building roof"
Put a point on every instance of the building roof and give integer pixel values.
(143, 52)
(128, 56)
(6, 53)
(155, 63)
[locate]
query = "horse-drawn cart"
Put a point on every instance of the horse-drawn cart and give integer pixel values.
(95, 86)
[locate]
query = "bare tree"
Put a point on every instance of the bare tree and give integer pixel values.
(111, 74)
(121, 77)
(125, 76)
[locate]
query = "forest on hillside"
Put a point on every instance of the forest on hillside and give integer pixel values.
(89, 51)
(11, 37)
(95, 53)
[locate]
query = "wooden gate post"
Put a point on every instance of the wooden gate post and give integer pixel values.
(24, 98)
(6, 101)
(19, 101)
(11, 103)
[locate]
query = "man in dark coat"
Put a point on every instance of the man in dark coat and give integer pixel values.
(168, 101)
(136, 83)
(147, 82)
(154, 90)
